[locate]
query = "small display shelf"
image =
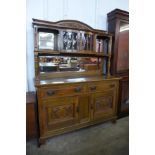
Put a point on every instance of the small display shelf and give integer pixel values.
(102, 44)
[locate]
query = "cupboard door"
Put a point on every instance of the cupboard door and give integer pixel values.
(123, 47)
(59, 113)
(103, 104)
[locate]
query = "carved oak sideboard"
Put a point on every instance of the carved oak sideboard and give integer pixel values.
(73, 82)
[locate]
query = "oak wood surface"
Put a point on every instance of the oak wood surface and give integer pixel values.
(74, 99)
(72, 80)
(59, 112)
(68, 24)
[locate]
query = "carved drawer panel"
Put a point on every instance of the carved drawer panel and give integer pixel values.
(59, 113)
(100, 86)
(67, 90)
(103, 104)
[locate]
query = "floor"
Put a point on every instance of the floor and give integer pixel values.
(103, 139)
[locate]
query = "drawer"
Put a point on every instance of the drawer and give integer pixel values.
(65, 90)
(101, 86)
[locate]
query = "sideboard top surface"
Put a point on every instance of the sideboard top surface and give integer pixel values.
(69, 80)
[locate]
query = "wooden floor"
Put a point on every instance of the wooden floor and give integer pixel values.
(103, 139)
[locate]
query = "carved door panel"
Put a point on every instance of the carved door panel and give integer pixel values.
(60, 112)
(103, 104)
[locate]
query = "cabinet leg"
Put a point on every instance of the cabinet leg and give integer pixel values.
(41, 142)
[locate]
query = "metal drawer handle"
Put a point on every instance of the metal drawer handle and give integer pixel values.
(77, 89)
(50, 92)
(93, 88)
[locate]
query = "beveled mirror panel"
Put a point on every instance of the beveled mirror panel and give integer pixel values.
(46, 40)
(87, 41)
(70, 40)
(77, 41)
(64, 63)
(102, 45)
(67, 40)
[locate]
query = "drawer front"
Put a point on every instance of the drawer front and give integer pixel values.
(56, 91)
(100, 86)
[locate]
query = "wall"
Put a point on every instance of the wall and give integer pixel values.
(91, 12)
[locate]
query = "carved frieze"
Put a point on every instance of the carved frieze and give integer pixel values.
(61, 112)
(104, 102)
(74, 25)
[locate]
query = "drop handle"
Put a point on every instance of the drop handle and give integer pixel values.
(78, 89)
(50, 92)
(92, 88)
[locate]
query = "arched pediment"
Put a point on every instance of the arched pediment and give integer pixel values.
(71, 24)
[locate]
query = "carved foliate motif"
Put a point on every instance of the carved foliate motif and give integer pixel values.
(103, 103)
(61, 112)
(74, 25)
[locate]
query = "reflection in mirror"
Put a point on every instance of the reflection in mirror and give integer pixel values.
(102, 44)
(105, 66)
(63, 63)
(124, 26)
(74, 40)
(46, 40)
(87, 41)
(83, 41)
(69, 40)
